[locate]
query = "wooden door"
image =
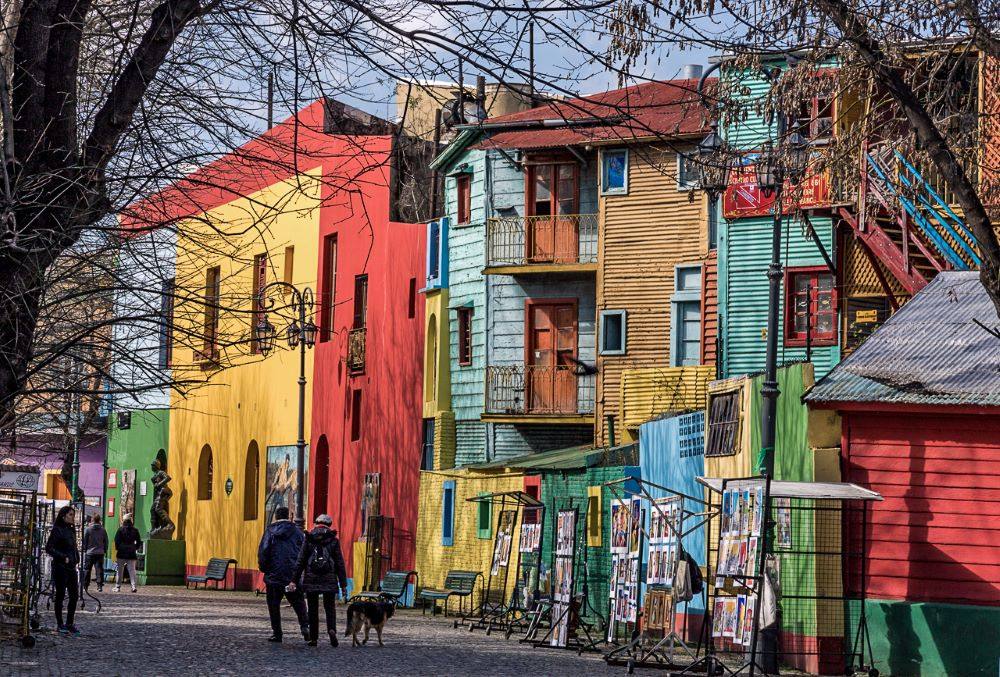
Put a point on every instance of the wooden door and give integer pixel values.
(551, 374)
(552, 224)
(567, 225)
(540, 230)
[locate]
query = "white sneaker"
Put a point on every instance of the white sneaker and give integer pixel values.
(117, 589)
(134, 589)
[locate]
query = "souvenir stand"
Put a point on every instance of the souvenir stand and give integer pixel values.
(494, 611)
(824, 569)
(654, 642)
(569, 600)
(17, 542)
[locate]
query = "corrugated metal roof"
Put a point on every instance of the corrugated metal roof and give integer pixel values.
(841, 491)
(652, 109)
(571, 458)
(931, 352)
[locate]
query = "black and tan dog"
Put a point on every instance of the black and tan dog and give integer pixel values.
(368, 615)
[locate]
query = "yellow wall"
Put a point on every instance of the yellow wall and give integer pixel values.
(251, 398)
(468, 552)
(647, 393)
(437, 365)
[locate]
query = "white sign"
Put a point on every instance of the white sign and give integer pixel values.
(20, 480)
(142, 487)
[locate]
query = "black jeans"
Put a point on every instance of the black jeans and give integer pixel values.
(274, 594)
(65, 581)
(328, 607)
(95, 562)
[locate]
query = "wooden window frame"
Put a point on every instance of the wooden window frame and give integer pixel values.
(464, 324)
(685, 182)
(448, 512)
(623, 335)
(360, 301)
(681, 296)
(463, 199)
(734, 420)
(793, 339)
(484, 518)
(210, 324)
(531, 171)
(257, 304)
(357, 406)
(605, 189)
(328, 288)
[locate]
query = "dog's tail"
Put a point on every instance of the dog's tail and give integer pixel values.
(349, 624)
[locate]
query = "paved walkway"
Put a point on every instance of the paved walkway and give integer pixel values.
(171, 631)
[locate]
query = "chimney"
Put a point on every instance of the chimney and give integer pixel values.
(691, 71)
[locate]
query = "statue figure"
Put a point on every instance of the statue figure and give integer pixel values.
(161, 526)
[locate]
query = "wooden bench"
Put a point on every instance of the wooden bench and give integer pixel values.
(217, 570)
(392, 588)
(456, 584)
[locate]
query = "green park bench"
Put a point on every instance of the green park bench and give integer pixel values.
(217, 570)
(392, 588)
(456, 584)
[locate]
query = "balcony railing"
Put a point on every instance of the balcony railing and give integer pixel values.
(521, 390)
(356, 349)
(541, 240)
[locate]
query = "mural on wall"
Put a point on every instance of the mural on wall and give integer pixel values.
(127, 505)
(283, 480)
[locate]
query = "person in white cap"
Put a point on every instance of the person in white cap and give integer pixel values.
(319, 569)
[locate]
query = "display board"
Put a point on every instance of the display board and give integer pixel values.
(741, 526)
(504, 540)
(562, 589)
(626, 560)
(664, 544)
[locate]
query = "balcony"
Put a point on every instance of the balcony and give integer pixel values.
(523, 393)
(521, 244)
(356, 349)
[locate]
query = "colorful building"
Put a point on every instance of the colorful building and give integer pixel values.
(918, 413)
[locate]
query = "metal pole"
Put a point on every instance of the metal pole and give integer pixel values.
(300, 518)
(770, 391)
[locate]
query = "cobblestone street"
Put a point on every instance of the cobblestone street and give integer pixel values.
(172, 631)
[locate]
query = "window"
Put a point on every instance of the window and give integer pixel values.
(553, 189)
(612, 332)
(205, 470)
(289, 266)
(427, 448)
(484, 517)
(437, 254)
(257, 303)
(356, 416)
(411, 302)
(360, 301)
(723, 424)
(687, 172)
(166, 323)
(614, 172)
(328, 282)
(532, 486)
(685, 317)
(463, 190)
(210, 331)
(810, 307)
(464, 336)
(448, 512)
(594, 517)
(251, 482)
(815, 118)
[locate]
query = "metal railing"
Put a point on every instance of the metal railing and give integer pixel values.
(356, 349)
(518, 390)
(533, 240)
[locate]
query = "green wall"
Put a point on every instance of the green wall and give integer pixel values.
(135, 449)
(929, 640)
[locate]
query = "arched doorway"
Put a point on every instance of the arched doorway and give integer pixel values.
(161, 456)
(251, 482)
(321, 477)
(205, 470)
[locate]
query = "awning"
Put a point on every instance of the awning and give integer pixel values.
(833, 491)
(519, 497)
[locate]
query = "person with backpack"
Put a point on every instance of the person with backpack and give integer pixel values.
(319, 569)
(61, 547)
(95, 545)
(277, 556)
(127, 544)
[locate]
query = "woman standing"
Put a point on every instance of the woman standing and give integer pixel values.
(127, 544)
(61, 547)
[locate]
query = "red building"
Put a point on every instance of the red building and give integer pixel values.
(919, 403)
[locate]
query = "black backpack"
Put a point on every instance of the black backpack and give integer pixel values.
(320, 561)
(697, 582)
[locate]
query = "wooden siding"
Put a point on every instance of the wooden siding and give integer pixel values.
(710, 309)
(936, 536)
(644, 236)
(648, 393)
(510, 441)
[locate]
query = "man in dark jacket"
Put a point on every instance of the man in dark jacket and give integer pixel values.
(61, 547)
(95, 545)
(276, 558)
(127, 544)
(320, 568)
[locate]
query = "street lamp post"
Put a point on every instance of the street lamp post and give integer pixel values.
(301, 334)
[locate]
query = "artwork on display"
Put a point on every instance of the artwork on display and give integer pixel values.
(112, 478)
(658, 611)
(502, 545)
(565, 552)
(783, 523)
(729, 608)
(619, 526)
(663, 547)
(635, 526)
(282, 480)
(111, 506)
(127, 505)
(566, 533)
(626, 543)
(742, 518)
(531, 538)
(560, 631)
(563, 586)
(370, 497)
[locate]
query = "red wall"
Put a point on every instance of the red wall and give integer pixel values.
(936, 536)
(391, 254)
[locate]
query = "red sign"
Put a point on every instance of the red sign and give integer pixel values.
(743, 198)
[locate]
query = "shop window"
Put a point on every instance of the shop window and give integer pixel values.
(251, 482)
(463, 191)
(328, 287)
(810, 307)
(594, 517)
(448, 513)
(614, 172)
(612, 332)
(723, 424)
(464, 336)
(484, 516)
(205, 471)
(256, 302)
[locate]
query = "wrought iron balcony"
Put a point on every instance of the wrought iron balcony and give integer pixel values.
(356, 349)
(521, 390)
(541, 240)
